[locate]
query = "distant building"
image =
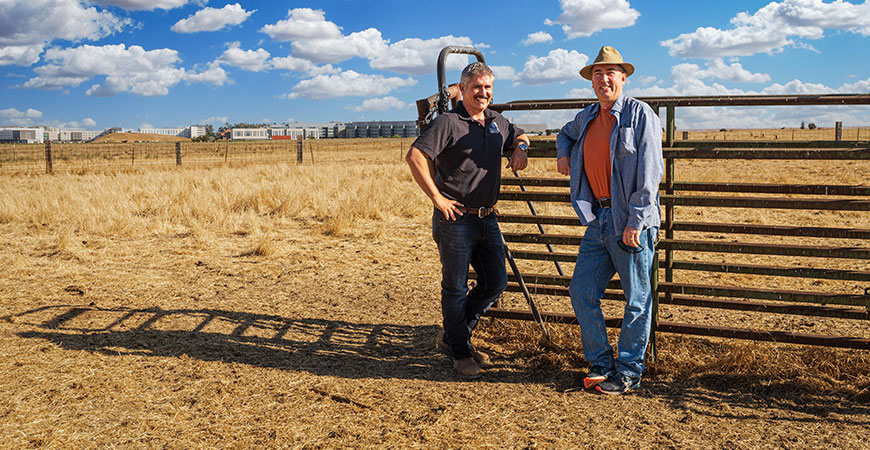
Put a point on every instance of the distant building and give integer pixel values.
(77, 135)
(249, 133)
(318, 130)
(533, 129)
(326, 130)
(196, 131)
(373, 129)
(15, 135)
(166, 131)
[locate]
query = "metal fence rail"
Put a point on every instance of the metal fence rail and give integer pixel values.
(846, 247)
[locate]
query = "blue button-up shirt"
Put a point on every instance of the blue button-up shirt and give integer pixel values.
(636, 164)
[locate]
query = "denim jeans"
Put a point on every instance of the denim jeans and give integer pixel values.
(475, 241)
(601, 255)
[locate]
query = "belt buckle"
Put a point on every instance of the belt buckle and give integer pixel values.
(481, 212)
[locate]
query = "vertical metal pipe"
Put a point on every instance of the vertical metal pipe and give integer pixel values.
(670, 169)
(654, 285)
(443, 95)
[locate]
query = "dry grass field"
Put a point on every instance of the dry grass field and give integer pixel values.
(295, 306)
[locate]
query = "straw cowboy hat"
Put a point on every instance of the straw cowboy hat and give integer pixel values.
(607, 55)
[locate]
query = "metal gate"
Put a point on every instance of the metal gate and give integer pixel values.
(680, 248)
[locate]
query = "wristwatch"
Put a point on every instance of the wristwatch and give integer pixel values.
(523, 146)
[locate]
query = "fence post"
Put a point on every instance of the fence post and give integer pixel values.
(838, 131)
(299, 151)
(132, 154)
(178, 153)
(48, 166)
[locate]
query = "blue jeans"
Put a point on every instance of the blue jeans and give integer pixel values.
(475, 241)
(601, 255)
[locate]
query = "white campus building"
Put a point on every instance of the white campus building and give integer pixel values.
(249, 133)
(22, 135)
(325, 130)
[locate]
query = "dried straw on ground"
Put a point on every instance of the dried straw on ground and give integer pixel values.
(284, 306)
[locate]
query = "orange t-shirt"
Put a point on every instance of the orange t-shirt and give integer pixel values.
(596, 153)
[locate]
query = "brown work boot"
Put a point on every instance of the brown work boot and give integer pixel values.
(480, 358)
(467, 368)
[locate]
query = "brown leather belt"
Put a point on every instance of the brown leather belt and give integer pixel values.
(603, 202)
(479, 212)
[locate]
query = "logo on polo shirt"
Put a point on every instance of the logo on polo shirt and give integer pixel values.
(493, 128)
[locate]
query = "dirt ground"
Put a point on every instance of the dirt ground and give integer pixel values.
(326, 342)
(205, 309)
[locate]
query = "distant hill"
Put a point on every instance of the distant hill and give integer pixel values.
(139, 137)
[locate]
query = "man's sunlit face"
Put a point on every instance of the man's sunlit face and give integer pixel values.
(607, 82)
(476, 93)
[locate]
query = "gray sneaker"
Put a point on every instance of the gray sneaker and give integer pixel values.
(618, 383)
(596, 375)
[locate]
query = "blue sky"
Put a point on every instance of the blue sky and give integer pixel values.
(162, 63)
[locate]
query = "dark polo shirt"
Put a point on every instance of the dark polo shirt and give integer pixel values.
(467, 155)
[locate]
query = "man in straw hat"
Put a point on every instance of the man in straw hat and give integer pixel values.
(464, 146)
(613, 152)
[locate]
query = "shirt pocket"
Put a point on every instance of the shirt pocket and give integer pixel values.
(625, 142)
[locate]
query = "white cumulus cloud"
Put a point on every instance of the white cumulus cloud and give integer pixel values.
(13, 116)
(772, 28)
(214, 74)
(584, 92)
(506, 73)
(538, 37)
(347, 83)
(213, 19)
(133, 69)
(418, 56)
(364, 44)
(315, 39)
(292, 64)
(28, 26)
(380, 104)
(303, 23)
(148, 5)
(251, 60)
(717, 69)
(582, 18)
(558, 66)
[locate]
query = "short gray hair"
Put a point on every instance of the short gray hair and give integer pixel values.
(474, 70)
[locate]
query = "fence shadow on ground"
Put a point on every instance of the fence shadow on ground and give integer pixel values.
(323, 347)
(357, 351)
(751, 397)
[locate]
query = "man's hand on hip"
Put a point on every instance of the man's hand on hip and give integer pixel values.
(447, 207)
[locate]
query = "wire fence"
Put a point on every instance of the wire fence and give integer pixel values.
(90, 157)
(783, 134)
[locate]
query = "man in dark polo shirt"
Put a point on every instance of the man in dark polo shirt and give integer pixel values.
(463, 150)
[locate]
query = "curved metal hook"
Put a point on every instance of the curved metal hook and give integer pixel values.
(443, 95)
